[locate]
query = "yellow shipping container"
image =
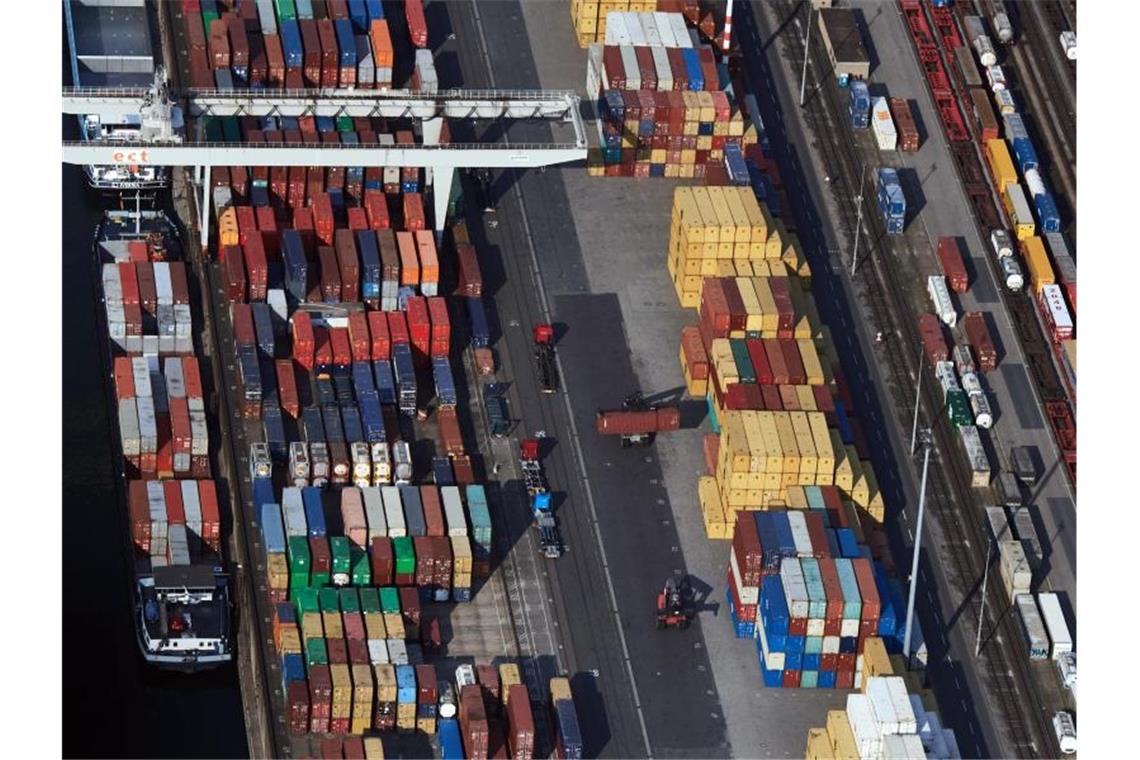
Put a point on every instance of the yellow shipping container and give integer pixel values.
(373, 748)
(818, 746)
(810, 357)
(1037, 262)
(405, 717)
(334, 629)
(228, 227)
(806, 398)
(754, 322)
(426, 725)
(277, 569)
(374, 625)
(341, 690)
(363, 687)
(560, 689)
(311, 625)
(1001, 165)
(874, 506)
(733, 198)
(708, 215)
(508, 677)
(840, 735)
(290, 641)
(876, 661)
(759, 217)
(804, 444)
(385, 682)
(791, 463)
(773, 448)
(461, 580)
(461, 554)
(757, 459)
(712, 512)
(394, 624)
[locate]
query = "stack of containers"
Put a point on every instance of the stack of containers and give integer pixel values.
(427, 699)
(726, 232)
(591, 18)
(147, 303)
(567, 733)
(155, 507)
(884, 720)
(162, 422)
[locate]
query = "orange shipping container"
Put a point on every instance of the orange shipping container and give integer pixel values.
(409, 260)
(381, 44)
(429, 259)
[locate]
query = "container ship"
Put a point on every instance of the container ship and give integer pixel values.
(181, 591)
(111, 47)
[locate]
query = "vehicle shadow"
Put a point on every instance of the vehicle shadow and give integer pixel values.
(591, 709)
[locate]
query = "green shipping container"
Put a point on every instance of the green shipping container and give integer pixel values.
(369, 600)
(405, 555)
(211, 127)
(344, 124)
(307, 600)
(339, 547)
(316, 652)
(389, 600)
(330, 600)
(231, 129)
(959, 408)
(743, 363)
(286, 10)
(349, 600)
(320, 579)
(207, 17)
(300, 561)
(480, 516)
(361, 568)
(296, 583)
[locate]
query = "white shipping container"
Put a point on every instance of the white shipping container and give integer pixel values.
(996, 77)
(117, 331)
(908, 720)
(882, 706)
(365, 63)
(374, 513)
(1059, 637)
(191, 504)
(179, 547)
(893, 748)
(636, 33)
(772, 660)
(831, 645)
(453, 511)
(397, 651)
(394, 511)
(985, 49)
(795, 590)
(116, 312)
(162, 286)
(940, 296)
(616, 31)
(293, 511)
(595, 71)
(129, 427)
(378, 651)
(134, 344)
(944, 373)
(649, 26)
(112, 284)
(665, 29)
(1054, 300)
(267, 16)
(1005, 103)
(181, 463)
(868, 740)
(912, 748)
(141, 375)
(1034, 182)
(800, 535)
(156, 504)
(632, 72)
(848, 627)
(664, 72)
(175, 384)
(748, 594)
(883, 125)
(199, 433)
(680, 30)
(1036, 638)
(980, 406)
(150, 345)
(1015, 569)
(158, 561)
(814, 626)
(148, 427)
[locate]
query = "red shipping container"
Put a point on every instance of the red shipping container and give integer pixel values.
(410, 610)
(140, 514)
(211, 514)
(463, 470)
(867, 590)
(164, 458)
(239, 43)
(124, 378)
(376, 206)
(137, 252)
(794, 362)
(326, 33)
(234, 265)
(304, 345)
(440, 326)
(953, 266)
(413, 212)
(180, 428)
(247, 221)
(791, 679)
(433, 510)
(341, 346)
(520, 723)
(770, 398)
(382, 561)
(354, 746)
(323, 219)
(191, 377)
(760, 365)
(737, 316)
(710, 445)
(449, 432)
(241, 315)
(324, 353)
(775, 355)
(425, 561)
(978, 336)
(320, 698)
(933, 342)
(473, 722)
(378, 331)
(417, 24)
(270, 237)
(287, 388)
(398, 327)
(330, 274)
(128, 279)
(172, 492)
(218, 44)
(357, 648)
(297, 707)
(470, 278)
(357, 219)
(358, 336)
(148, 294)
(349, 264)
(257, 267)
(713, 310)
(275, 71)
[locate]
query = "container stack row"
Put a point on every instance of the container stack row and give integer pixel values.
(147, 304)
(174, 522)
(592, 18)
(162, 417)
(885, 719)
(420, 537)
(292, 44)
(298, 186)
(663, 106)
(726, 232)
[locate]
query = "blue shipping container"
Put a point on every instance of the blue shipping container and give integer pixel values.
(292, 668)
(345, 42)
(313, 425)
(263, 327)
(786, 543)
(291, 45)
(773, 605)
(375, 9)
(450, 740)
(444, 383)
(296, 266)
(735, 166)
(372, 419)
(314, 512)
(441, 471)
(693, 69)
(826, 679)
(273, 426)
(480, 331)
(402, 365)
(769, 540)
(385, 382)
(272, 528)
(359, 16)
(859, 105)
(353, 429)
(1047, 215)
(369, 265)
(848, 546)
(406, 684)
(262, 491)
(334, 431)
(567, 730)
(362, 380)
(413, 510)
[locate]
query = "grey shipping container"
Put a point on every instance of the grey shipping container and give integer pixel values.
(413, 510)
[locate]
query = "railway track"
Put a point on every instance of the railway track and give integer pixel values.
(1002, 669)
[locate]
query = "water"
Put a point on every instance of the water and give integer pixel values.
(113, 704)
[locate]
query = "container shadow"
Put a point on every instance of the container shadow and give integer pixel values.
(912, 190)
(864, 27)
(591, 709)
(693, 413)
(919, 122)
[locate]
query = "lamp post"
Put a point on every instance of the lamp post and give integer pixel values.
(807, 45)
(917, 545)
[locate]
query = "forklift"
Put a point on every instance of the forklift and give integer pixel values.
(675, 604)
